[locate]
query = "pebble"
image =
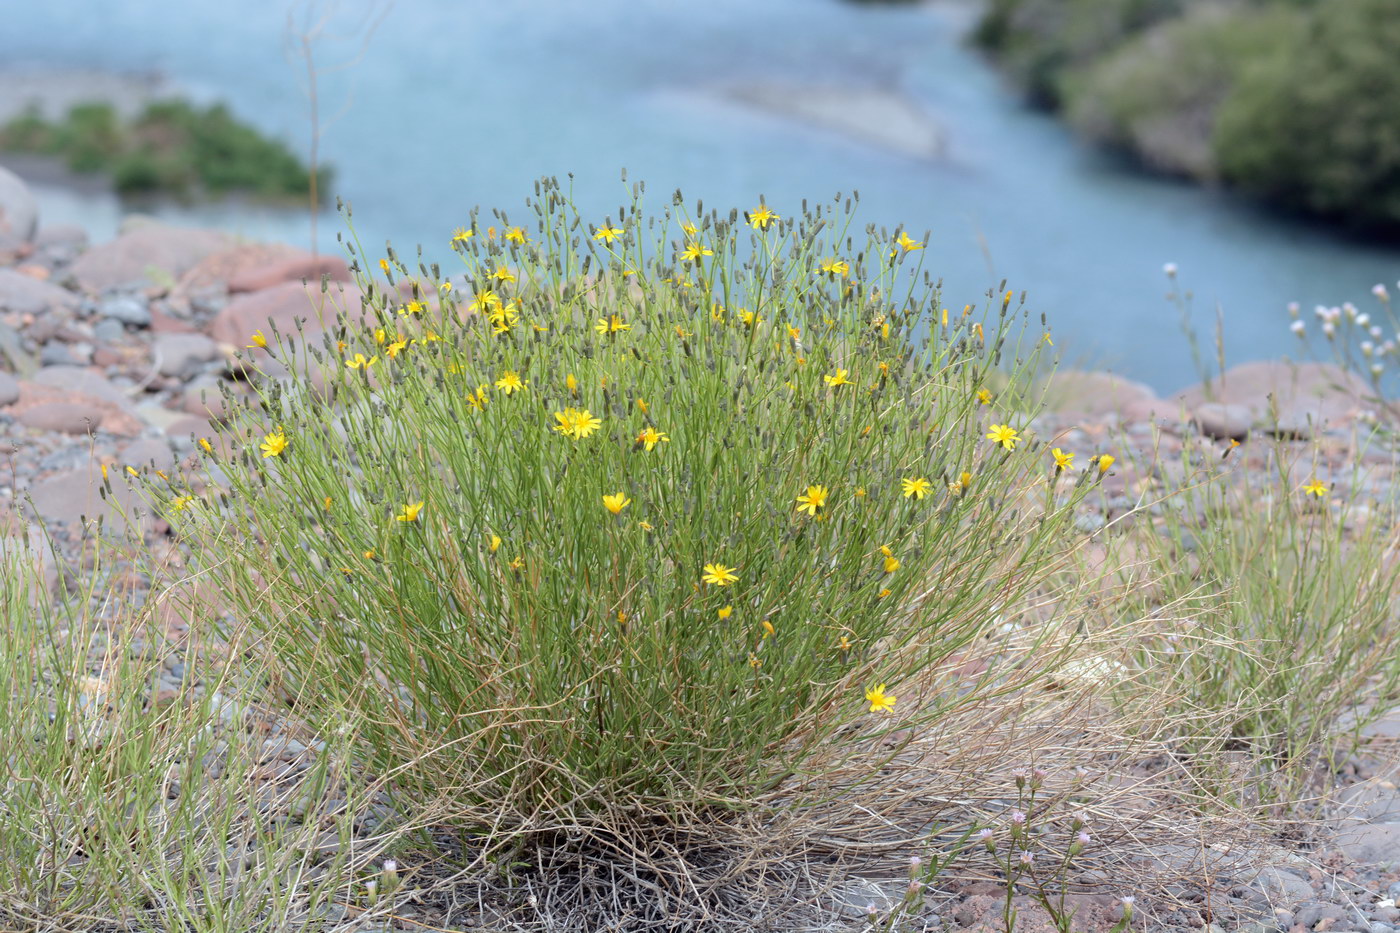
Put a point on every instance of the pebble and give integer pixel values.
(127, 310)
(181, 356)
(64, 417)
(19, 212)
(108, 330)
(58, 354)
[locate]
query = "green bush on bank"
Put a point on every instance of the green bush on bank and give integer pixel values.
(651, 516)
(1290, 101)
(170, 147)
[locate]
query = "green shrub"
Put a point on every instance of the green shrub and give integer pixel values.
(1315, 126)
(171, 146)
(509, 540)
(1157, 95)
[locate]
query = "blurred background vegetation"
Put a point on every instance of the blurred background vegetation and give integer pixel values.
(1295, 102)
(171, 147)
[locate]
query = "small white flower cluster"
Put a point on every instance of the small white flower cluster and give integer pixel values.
(1350, 321)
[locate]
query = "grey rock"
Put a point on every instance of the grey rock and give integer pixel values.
(152, 451)
(1367, 803)
(1223, 422)
(9, 390)
(19, 212)
(23, 294)
(182, 355)
(126, 309)
(108, 331)
(67, 236)
(1282, 887)
(1089, 523)
(1311, 915)
(57, 354)
(1373, 843)
(1393, 892)
(1378, 927)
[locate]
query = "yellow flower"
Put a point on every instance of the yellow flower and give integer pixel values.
(206, 446)
(726, 612)
(959, 486)
(1104, 461)
(845, 643)
(273, 444)
(518, 562)
(409, 513)
(794, 332)
(860, 492)
(259, 341)
(682, 333)
(510, 382)
(915, 488)
(882, 594)
(645, 526)
(907, 243)
(358, 361)
(462, 235)
(642, 406)
(384, 265)
(813, 499)
(326, 503)
(695, 251)
(748, 318)
(445, 287)
(616, 502)
(576, 423)
(984, 396)
(1005, 435)
(719, 575)
(755, 661)
(689, 229)
(835, 267)
(611, 324)
(768, 630)
(1063, 461)
(607, 233)
(495, 544)
(760, 217)
(838, 380)
(1315, 488)
(392, 350)
(485, 299)
(413, 307)
(891, 564)
(880, 701)
(516, 235)
(502, 274)
(369, 555)
(650, 437)
(180, 503)
(478, 399)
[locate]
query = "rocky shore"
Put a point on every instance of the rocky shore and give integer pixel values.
(119, 354)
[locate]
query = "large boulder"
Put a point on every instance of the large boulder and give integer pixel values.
(1281, 396)
(19, 212)
(283, 306)
(1092, 393)
(145, 255)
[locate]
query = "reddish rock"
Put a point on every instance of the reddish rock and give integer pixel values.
(24, 294)
(283, 305)
(222, 267)
(1094, 393)
(1302, 395)
(292, 269)
(81, 380)
(150, 254)
(71, 497)
(162, 323)
(64, 417)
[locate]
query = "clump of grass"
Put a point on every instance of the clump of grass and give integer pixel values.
(171, 147)
(639, 521)
(1286, 631)
(131, 803)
